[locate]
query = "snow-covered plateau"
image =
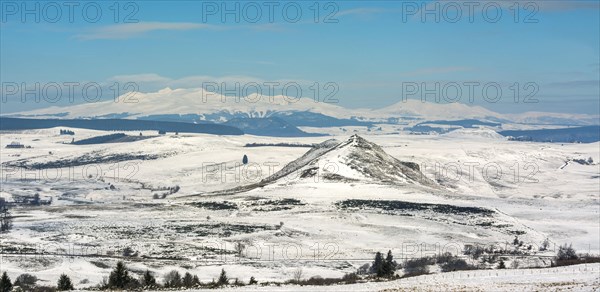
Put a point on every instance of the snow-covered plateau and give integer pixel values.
(187, 202)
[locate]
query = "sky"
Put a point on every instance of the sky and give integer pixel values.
(541, 55)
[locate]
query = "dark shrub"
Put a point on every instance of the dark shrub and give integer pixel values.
(456, 264)
(350, 278)
(252, 281)
(501, 265)
(173, 279)
(148, 280)
(566, 253)
(443, 258)
(418, 266)
(26, 281)
(473, 251)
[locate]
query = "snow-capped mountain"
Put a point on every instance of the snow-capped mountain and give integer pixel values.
(207, 105)
(198, 105)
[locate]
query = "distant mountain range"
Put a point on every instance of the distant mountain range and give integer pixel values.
(199, 111)
(200, 106)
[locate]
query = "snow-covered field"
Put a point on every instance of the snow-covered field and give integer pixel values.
(576, 278)
(107, 197)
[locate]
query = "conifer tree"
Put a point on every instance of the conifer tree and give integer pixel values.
(378, 265)
(223, 280)
(389, 267)
(5, 284)
(188, 280)
(119, 277)
(64, 283)
(148, 279)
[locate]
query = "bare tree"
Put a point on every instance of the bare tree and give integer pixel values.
(298, 274)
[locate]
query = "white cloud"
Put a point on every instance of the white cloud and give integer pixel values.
(131, 30)
(128, 30)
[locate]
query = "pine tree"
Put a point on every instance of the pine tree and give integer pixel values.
(5, 284)
(389, 266)
(64, 283)
(223, 280)
(245, 159)
(188, 280)
(148, 279)
(196, 280)
(378, 265)
(119, 277)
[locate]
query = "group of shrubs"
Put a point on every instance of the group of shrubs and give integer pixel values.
(27, 282)
(446, 261)
(66, 132)
(120, 278)
(169, 191)
(320, 281)
(381, 268)
(485, 258)
(566, 256)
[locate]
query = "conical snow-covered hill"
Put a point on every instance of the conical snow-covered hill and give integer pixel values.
(352, 160)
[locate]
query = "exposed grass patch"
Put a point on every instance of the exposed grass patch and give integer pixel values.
(215, 205)
(221, 229)
(276, 205)
(389, 205)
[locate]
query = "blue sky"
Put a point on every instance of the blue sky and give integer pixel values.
(371, 51)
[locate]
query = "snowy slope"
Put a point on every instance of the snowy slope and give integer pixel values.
(355, 159)
(556, 200)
